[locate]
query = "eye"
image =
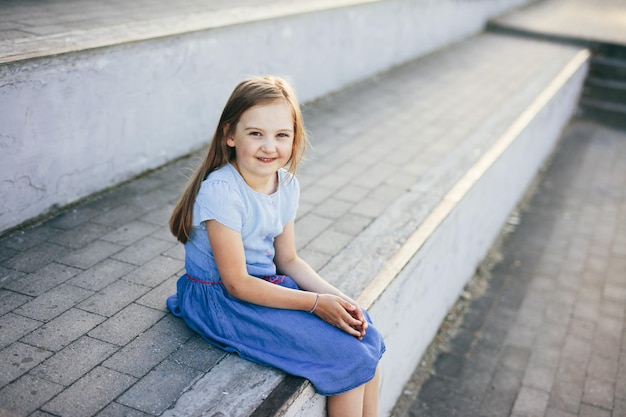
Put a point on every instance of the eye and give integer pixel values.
(283, 136)
(254, 133)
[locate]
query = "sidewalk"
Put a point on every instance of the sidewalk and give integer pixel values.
(547, 336)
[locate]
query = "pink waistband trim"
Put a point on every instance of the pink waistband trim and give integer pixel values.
(274, 279)
(199, 281)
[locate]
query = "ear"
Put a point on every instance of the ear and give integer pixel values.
(229, 139)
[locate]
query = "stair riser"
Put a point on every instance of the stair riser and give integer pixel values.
(605, 93)
(609, 116)
(607, 70)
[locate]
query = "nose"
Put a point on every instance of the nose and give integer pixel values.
(269, 144)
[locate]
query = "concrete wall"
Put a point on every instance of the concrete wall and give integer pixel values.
(74, 124)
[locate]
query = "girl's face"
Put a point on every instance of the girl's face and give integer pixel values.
(263, 142)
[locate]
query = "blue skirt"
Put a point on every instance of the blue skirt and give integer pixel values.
(296, 342)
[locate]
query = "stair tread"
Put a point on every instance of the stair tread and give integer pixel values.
(30, 31)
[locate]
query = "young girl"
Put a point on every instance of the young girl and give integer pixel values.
(246, 289)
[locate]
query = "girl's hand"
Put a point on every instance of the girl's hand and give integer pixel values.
(342, 313)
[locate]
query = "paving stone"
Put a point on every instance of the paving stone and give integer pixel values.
(90, 394)
(102, 274)
(530, 402)
(63, 330)
(13, 327)
(351, 224)
(553, 412)
(198, 354)
(113, 298)
(27, 394)
(45, 279)
(448, 365)
(74, 361)
(17, 359)
(41, 414)
(126, 325)
(619, 407)
(77, 216)
(75, 239)
(160, 216)
(156, 297)
(540, 377)
(22, 240)
(515, 358)
(118, 410)
(332, 208)
(473, 382)
(309, 227)
(53, 302)
(155, 271)
(587, 410)
(119, 216)
(369, 208)
(577, 348)
(352, 193)
(7, 253)
(435, 390)
(176, 251)
(329, 242)
(602, 368)
(129, 233)
(144, 353)
(90, 255)
(566, 396)
(500, 397)
(608, 347)
(598, 392)
(143, 250)
(36, 257)
(461, 342)
(159, 389)
(581, 329)
(10, 300)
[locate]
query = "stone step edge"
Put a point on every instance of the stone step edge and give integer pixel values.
(83, 40)
(602, 47)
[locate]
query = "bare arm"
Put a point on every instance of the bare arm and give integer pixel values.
(334, 306)
(229, 255)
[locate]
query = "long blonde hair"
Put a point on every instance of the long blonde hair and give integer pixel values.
(248, 93)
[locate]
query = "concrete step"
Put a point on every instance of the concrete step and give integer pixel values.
(605, 67)
(602, 89)
(93, 94)
(610, 113)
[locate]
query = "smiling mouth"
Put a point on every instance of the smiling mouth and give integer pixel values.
(266, 159)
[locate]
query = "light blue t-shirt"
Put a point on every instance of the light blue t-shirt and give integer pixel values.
(225, 197)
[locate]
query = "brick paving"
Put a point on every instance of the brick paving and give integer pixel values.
(546, 338)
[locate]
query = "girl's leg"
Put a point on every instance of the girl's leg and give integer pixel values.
(359, 402)
(348, 404)
(370, 396)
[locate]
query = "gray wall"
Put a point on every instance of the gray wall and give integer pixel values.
(74, 124)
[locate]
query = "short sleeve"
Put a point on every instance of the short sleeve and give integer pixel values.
(292, 188)
(218, 200)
